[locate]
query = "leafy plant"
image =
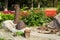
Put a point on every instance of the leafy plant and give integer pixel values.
(32, 19)
(7, 17)
(0, 25)
(19, 33)
(58, 8)
(1, 38)
(0, 16)
(36, 19)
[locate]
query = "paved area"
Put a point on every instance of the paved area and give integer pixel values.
(50, 36)
(9, 36)
(34, 36)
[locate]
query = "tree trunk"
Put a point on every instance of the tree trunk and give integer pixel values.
(6, 4)
(55, 3)
(32, 6)
(38, 5)
(17, 11)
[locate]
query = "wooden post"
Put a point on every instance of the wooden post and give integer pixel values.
(27, 33)
(17, 11)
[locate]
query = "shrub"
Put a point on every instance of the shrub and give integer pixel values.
(58, 8)
(1, 38)
(7, 17)
(36, 19)
(32, 19)
(19, 33)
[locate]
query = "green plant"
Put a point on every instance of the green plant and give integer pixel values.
(58, 8)
(24, 8)
(36, 19)
(1, 38)
(4, 17)
(32, 19)
(0, 16)
(19, 33)
(0, 25)
(0, 20)
(7, 17)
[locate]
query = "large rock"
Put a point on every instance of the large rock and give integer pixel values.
(56, 22)
(9, 25)
(20, 25)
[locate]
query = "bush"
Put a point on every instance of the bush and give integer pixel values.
(58, 8)
(7, 17)
(19, 33)
(4, 17)
(32, 19)
(1, 38)
(36, 19)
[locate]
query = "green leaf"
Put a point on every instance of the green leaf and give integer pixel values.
(19, 33)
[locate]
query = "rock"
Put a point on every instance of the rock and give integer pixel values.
(52, 24)
(20, 25)
(55, 23)
(9, 36)
(57, 17)
(9, 25)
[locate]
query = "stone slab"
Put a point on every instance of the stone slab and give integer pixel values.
(56, 22)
